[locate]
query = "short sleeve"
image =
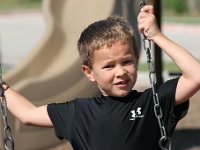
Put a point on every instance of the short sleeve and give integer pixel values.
(171, 113)
(62, 116)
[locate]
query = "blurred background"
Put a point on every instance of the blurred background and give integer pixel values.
(22, 28)
(22, 24)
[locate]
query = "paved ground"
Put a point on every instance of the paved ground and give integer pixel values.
(19, 34)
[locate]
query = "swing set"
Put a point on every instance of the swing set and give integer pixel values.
(7, 133)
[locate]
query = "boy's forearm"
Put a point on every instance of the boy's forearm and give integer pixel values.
(18, 105)
(189, 66)
(25, 111)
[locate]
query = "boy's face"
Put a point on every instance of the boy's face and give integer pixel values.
(114, 69)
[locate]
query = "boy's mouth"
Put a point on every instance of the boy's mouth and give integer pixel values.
(121, 83)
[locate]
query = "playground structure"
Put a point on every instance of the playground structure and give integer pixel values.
(51, 72)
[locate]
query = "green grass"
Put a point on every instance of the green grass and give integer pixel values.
(169, 67)
(19, 5)
(182, 19)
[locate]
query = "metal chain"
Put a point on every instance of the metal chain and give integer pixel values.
(152, 78)
(8, 140)
(7, 134)
(157, 108)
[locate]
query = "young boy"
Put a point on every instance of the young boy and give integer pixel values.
(120, 118)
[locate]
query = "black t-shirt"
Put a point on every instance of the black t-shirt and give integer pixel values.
(110, 123)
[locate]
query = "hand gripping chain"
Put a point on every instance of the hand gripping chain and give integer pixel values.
(152, 78)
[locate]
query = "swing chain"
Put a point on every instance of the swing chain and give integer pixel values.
(157, 107)
(8, 140)
(152, 78)
(7, 133)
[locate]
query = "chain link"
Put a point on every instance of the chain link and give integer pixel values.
(7, 134)
(157, 108)
(152, 78)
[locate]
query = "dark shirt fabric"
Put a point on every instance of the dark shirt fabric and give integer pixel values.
(111, 123)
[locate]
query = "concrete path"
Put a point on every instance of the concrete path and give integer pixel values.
(19, 33)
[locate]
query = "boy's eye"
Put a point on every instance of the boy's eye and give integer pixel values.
(108, 66)
(128, 62)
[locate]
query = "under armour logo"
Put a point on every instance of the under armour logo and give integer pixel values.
(136, 113)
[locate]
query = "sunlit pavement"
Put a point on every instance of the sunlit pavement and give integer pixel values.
(19, 34)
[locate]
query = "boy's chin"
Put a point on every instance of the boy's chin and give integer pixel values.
(118, 93)
(121, 94)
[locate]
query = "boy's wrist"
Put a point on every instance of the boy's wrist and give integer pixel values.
(5, 86)
(157, 36)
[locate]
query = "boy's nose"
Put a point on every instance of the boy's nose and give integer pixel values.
(120, 71)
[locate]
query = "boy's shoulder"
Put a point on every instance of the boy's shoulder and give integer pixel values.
(84, 100)
(102, 99)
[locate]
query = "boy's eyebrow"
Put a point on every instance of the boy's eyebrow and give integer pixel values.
(110, 60)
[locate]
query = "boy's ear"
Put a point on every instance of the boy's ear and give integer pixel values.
(88, 72)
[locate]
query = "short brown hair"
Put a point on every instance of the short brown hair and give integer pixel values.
(104, 32)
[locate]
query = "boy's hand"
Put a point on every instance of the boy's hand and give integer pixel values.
(147, 22)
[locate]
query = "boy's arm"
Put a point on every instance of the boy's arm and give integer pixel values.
(189, 82)
(25, 111)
